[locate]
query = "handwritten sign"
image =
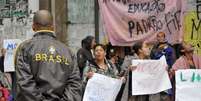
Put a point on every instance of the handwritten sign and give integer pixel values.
(10, 45)
(192, 26)
(102, 88)
(150, 77)
(188, 85)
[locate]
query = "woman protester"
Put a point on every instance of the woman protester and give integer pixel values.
(100, 65)
(142, 51)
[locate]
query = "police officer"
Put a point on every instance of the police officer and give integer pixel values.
(46, 70)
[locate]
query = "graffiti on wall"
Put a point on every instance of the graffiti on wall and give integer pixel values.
(15, 19)
(14, 9)
(192, 25)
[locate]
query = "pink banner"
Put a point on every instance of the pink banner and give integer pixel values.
(128, 21)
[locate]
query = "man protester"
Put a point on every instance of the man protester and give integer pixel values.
(160, 49)
(163, 48)
(46, 70)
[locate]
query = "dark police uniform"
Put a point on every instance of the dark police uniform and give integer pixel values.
(46, 70)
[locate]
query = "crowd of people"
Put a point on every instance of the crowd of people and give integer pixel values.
(46, 69)
(106, 63)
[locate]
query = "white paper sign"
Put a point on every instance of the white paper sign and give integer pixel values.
(102, 88)
(10, 45)
(188, 85)
(150, 77)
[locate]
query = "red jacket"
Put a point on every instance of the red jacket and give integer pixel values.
(5, 94)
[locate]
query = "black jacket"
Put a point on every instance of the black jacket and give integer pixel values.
(46, 70)
(2, 63)
(84, 55)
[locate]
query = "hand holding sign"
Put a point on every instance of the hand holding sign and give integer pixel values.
(90, 74)
(3, 51)
(132, 68)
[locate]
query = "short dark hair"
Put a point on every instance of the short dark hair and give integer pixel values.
(180, 48)
(137, 46)
(87, 42)
(128, 51)
(101, 45)
(43, 18)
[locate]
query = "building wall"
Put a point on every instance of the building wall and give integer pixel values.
(80, 21)
(16, 19)
(74, 20)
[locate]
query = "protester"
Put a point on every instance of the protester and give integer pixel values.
(163, 48)
(115, 61)
(85, 53)
(101, 65)
(188, 60)
(129, 56)
(46, 69)
(113, 58)
(160, 49)
(141, 52)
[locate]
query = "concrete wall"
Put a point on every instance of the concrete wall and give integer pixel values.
(80, 21)
(74, 19)
(60, 19)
